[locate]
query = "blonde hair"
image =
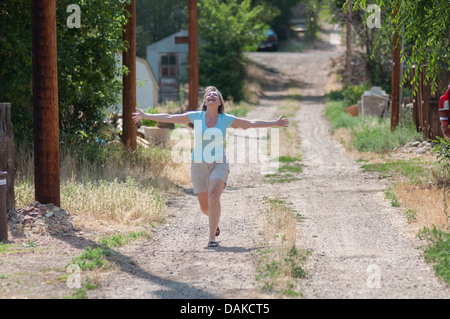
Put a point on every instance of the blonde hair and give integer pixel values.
(222, 103)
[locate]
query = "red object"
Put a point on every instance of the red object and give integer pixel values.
(444, 112)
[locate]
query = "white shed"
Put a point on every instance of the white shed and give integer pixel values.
(168, 59)
(146, 85)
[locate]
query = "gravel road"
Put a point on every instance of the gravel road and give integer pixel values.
(361, 246)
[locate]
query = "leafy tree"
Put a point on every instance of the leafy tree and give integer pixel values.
(88, 73)
(280, 23)
(226, 29)
(425, 26)
(15, 63)
(375, 46)
(89, 79)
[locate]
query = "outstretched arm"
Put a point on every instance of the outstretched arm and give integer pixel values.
(245, 124)
(162, 117)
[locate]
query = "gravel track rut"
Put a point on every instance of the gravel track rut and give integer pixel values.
(361, 246)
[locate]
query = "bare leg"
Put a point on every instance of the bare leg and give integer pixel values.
(216, 187)
(203, 201)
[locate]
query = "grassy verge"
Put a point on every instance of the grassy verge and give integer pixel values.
(438, 251)
(99, 258)
(281, 263)
(289, 149)
(104, 184)
(418, 184)
(368, 133)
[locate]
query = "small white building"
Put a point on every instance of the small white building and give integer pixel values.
(146, 85)
(168, 58)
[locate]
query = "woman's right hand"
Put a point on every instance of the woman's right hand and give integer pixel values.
(138, 115)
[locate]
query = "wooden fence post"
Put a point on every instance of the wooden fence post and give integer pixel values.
(395, 96)
(415, 101)
(7, 152)
(3, 211)
(348, 51)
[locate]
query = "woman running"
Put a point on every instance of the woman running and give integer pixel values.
(209, 168)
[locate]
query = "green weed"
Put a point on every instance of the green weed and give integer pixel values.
(285, 174)
(281, 263)
(392, 197)
(437, 251)
(414, 169)
(97, 258)
(379, 138)
(411, 215)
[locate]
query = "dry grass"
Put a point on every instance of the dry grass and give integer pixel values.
(280, 229)
(281, 262)
(426, 202)
(289, 136)
(128, 191)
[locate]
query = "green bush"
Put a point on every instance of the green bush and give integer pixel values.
(227, 29)
(349, 96)
(369, 133)
(442, 151)
(438, 251)
(147, 122)
(379, 138)
(89, 79)
(335, 112)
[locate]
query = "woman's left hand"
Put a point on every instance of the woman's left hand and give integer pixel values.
(283, 122)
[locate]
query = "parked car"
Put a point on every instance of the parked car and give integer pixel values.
(271, 41)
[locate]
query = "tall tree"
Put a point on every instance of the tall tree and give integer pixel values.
(89, 77)
(226, 29)
(425, 26)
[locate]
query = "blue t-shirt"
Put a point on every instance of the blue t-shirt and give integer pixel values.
(209, 142)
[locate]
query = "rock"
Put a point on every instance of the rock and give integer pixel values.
(27, 218)
(56, 209)
(420, 150)
(415, 144)
(374, 102)
(42, 220)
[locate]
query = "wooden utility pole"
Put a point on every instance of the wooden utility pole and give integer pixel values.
(395, 96)
(45, 102)
(348, 41)
(7, 151)
(193, 55)
(129, 81)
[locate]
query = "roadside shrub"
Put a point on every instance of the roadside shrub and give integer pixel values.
(442, 152)
(370, 133)
(350, 95)
(379, 138)
(335, 112)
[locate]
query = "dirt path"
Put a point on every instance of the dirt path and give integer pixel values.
(361, 247)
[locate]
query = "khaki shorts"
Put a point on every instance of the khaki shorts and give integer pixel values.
(202, 173)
